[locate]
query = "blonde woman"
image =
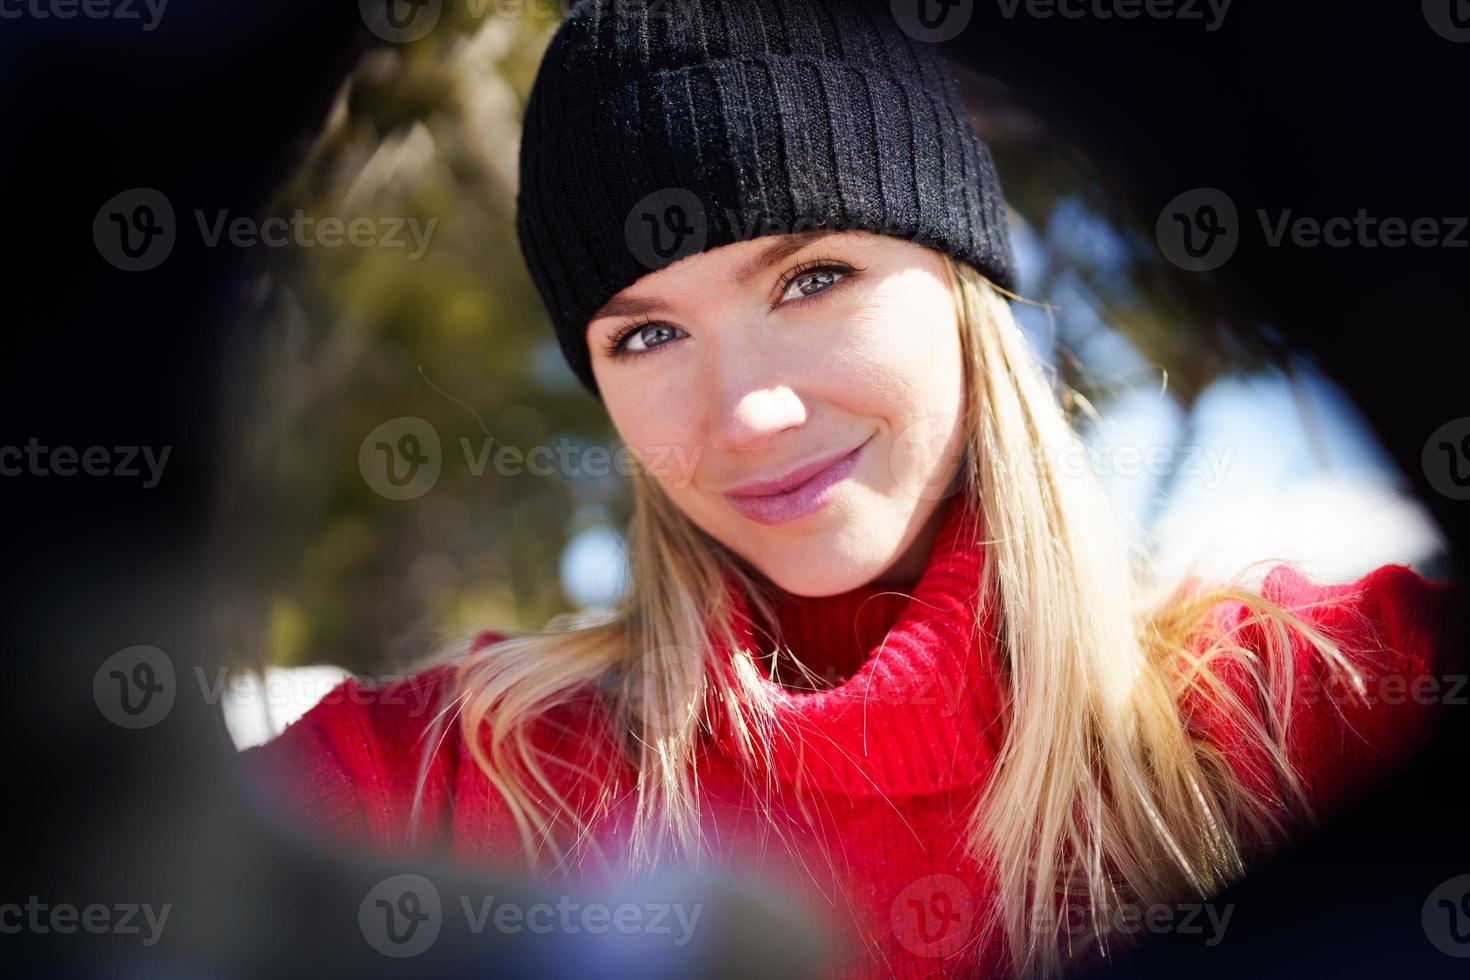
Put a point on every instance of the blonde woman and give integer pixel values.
(881, 645)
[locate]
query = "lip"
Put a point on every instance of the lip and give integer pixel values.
(796, 494)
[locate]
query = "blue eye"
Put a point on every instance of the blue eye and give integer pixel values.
(812, 282)
(810, 279)
(650, 334)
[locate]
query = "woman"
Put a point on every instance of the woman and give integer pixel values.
(880, 640)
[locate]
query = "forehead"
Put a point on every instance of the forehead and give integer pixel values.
(736, 263)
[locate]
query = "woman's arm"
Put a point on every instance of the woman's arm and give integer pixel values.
(1401, 631)
(299, 776)
(347, 770)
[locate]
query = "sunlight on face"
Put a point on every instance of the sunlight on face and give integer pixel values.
(739, 371)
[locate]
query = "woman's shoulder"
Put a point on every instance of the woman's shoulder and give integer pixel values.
(348, 768)
(1399, 633)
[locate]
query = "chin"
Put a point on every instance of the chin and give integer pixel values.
(827, 564)
(816, 583)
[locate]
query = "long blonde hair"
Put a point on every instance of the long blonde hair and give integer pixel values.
(1100, 795)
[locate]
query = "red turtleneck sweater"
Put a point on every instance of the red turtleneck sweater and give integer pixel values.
(889, 766)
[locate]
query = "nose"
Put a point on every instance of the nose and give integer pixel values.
(751, 401)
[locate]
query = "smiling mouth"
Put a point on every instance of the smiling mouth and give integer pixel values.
(799, 499)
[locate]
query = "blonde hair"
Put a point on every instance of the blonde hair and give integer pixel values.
(1101, 796)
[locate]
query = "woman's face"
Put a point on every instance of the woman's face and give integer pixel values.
(737, 372)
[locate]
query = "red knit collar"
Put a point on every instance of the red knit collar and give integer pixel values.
(922, 714)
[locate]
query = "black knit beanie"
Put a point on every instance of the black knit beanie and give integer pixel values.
(660, 128)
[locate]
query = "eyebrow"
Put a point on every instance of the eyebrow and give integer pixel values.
(783, 247)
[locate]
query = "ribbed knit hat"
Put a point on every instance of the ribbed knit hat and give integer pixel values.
(657, 129)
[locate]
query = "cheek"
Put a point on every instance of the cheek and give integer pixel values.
(904, 366)
(900, 356)
(664, 442)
